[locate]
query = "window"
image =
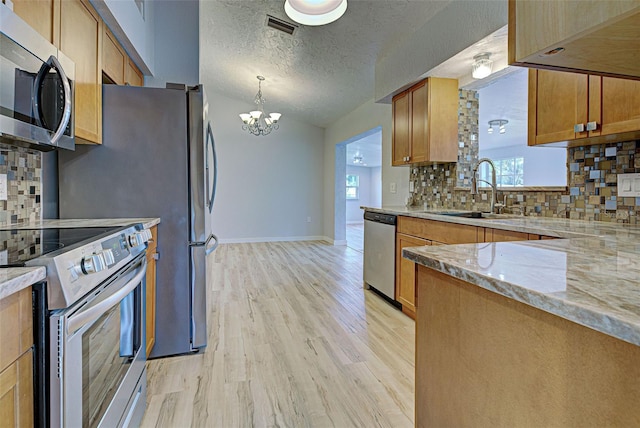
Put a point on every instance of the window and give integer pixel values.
(509, 172)
(353, 182)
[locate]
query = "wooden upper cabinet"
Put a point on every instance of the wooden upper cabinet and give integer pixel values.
(558, 102)
(620, 101)
(42, 15)
(579, 109)
(400, 136)
(133, 76)
(81, 40)
(113, 58)
(425, 120)
(595, 36)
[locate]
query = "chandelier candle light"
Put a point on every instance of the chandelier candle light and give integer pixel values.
(256, 122)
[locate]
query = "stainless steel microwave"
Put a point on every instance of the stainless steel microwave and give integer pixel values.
(36, 88)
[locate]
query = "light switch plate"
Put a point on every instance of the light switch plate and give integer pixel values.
(3, 187)
(628, 185)
(392, 187)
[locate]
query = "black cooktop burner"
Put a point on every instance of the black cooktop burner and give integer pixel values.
(20, 245)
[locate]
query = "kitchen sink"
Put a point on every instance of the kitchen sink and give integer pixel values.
(475, 214)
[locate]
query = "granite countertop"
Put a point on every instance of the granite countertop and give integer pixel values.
(15, 279)
(592, 278)
(147, 222)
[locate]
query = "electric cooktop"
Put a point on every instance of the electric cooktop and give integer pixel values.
(17, 246)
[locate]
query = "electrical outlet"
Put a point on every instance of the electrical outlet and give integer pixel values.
(393, 188)
(4, 257)
(308, 219)
(628, 185)
(3, 187)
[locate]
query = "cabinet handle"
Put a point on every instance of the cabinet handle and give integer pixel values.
(579, 127)
(592, 126)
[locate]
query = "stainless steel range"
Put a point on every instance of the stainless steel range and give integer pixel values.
(90, 336)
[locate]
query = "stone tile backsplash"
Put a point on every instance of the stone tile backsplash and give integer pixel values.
(590, 195)
(23, 169)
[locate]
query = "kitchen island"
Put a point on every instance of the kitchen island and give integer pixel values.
(529, 333)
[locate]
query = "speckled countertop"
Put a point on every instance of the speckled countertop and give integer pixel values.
(95, 222)
(15, 279)
(592, 278)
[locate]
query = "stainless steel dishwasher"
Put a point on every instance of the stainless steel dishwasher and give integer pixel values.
(380, 252)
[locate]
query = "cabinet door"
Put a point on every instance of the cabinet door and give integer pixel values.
(113, 58)
(16, 326)
(150, 297)
(16, 393)
(406, 273)
(400, 134)
(419, 123)
(557, 102)
(41, 15)
(132, 75)
(620, 106)
(499, 235)
(81, 40)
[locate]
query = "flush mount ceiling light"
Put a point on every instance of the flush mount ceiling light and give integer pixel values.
(481, 66)
(255, 121)
(315, 12)
(500, 123)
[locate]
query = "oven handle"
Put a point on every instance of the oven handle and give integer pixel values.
(93, 313)
(66, 114)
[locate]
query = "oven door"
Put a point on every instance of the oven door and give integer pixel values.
(100, 355)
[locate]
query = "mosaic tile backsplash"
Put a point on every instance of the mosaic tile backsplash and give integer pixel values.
(591, 195)
(23, 169)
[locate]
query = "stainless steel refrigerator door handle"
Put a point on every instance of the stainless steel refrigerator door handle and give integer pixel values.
(53, 62)
(93, 313)
(211, 249)
(211, 188)
(206, 244)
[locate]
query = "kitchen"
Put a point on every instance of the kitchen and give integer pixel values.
(307, 177)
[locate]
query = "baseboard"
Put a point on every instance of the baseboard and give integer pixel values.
(355, 222)
(274, 239)
(340, 242)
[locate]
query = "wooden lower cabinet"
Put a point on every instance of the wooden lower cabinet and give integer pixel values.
(150, 296)
(485, 360)
(16, 360)
(16, 393)
(405, 273)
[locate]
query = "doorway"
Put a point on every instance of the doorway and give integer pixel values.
(359, 170)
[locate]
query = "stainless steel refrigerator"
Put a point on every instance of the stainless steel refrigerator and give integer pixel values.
(157, 159)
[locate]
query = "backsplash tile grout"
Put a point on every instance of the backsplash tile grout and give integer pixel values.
(24, 171)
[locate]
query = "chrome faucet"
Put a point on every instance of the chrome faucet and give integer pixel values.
(475, 179)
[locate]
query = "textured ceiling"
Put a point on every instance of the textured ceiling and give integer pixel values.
(316, 75)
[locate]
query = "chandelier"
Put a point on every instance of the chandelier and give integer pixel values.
(500, 123)
(256, 122)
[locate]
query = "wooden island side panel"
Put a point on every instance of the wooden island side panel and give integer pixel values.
(484, 360)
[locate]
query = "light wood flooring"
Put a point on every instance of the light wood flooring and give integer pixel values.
(294, 341)
(355, 236)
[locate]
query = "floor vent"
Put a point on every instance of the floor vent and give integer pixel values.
(279, 24)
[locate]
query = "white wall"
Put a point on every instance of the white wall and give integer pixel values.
(366, 117)
(177, 41)
(376, 187)
(267, 186)
(354, 213)
(456, 27)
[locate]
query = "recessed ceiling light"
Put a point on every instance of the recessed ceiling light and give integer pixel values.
(315, 12)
